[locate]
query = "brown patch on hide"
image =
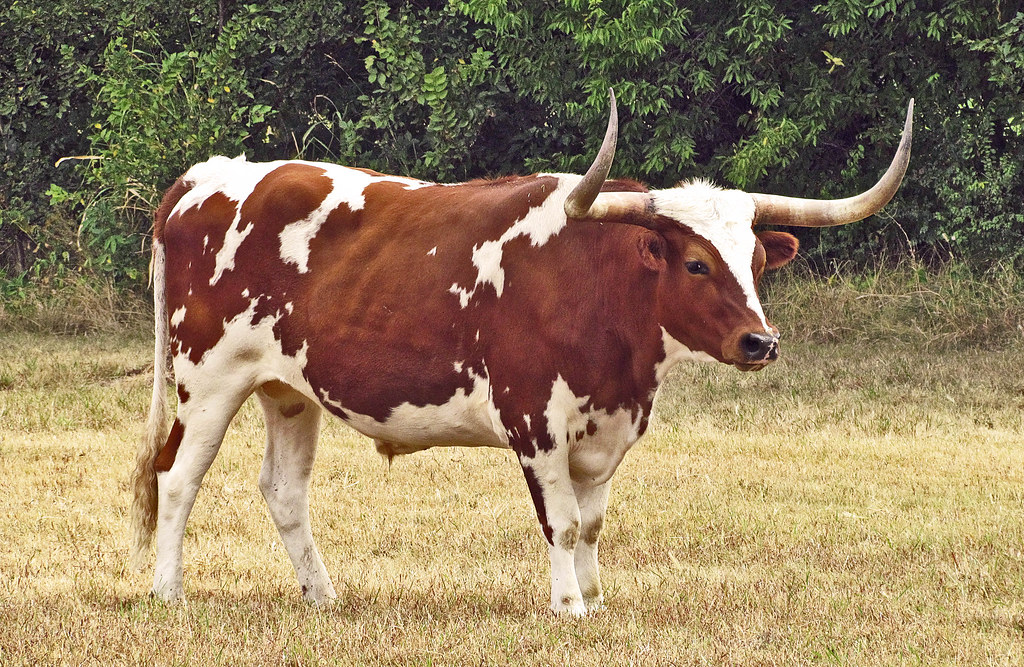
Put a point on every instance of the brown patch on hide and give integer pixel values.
(165, 459)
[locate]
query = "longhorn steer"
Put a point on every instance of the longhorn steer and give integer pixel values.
(535, 313)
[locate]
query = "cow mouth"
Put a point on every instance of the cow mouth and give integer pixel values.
(752, 365)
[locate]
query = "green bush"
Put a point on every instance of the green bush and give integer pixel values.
(158, 113)
(793, 98)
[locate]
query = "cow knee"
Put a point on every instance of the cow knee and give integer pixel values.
(286, 501)
(274, 489)
(267, 487)
(569, 535)
(592, 530)
(171, 485)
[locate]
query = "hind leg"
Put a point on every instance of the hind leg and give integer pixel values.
(193, 443)
(293, 424)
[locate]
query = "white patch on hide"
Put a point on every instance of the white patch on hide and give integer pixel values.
(247, 355)
(676, 352)
(325, 398)
(178, 316)
(539, 224)
(348, 188)
(226, 255)
(463, 295)
(236, 179)
(593, 457)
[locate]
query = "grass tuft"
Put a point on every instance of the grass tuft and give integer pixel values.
(78, 306)
(933, 310)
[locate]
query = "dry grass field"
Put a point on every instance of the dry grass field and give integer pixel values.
(861, 502)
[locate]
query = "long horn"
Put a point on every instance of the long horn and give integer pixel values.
(577, 205)
(775, 209)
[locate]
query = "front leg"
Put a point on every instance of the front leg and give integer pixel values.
(592, 501)
(547, 476)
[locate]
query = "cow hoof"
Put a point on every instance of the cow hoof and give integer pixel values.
(170, 598)
(595, 605)
(322, 603)
(319, 595)
(567, 607)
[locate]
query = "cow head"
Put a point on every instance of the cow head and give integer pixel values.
(707, 255)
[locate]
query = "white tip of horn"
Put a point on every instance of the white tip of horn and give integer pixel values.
(579, 201)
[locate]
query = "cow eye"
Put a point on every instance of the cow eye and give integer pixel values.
(697, 268)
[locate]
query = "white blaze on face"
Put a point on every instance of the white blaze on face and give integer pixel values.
(539, 224)
(723, 217)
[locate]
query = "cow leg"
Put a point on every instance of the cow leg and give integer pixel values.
(293, 424)
(592, 502)
(201, 432)
(547, 476)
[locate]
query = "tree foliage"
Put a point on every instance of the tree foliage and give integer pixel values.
(779, 96)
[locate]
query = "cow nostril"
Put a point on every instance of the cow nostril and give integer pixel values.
(759, 346)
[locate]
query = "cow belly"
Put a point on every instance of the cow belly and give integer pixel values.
(466, 419)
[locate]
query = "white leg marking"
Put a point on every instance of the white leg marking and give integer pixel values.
(551, 472)
(293, 424)
(593, 501)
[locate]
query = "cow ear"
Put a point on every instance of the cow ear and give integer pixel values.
(779, 248)
(652, 250)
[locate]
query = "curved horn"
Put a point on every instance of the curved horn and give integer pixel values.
(630, 207)
(578, 203)
(775, 209)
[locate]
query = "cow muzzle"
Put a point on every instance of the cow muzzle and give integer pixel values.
(757, 350)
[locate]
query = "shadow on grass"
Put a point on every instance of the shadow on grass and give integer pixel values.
(388, 603)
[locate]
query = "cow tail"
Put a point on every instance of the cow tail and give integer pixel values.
(144, 483)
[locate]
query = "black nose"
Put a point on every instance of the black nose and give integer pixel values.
(760, 346)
